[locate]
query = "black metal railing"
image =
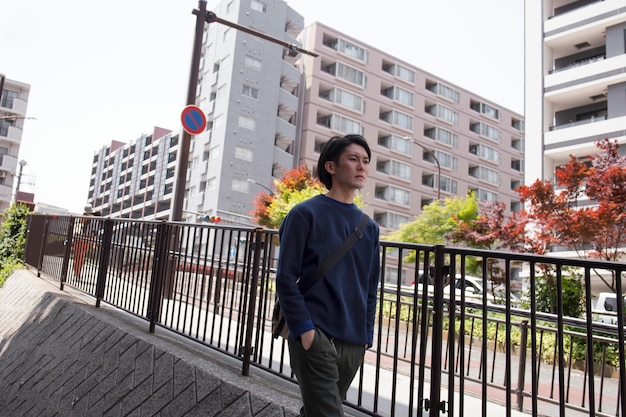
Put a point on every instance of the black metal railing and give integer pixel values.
(437, 349)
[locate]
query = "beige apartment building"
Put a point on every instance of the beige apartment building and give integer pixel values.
(418, 125)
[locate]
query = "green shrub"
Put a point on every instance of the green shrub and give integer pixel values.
(12, 239)
(7, 268)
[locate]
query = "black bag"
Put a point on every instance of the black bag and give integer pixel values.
(279, 326)
(278, 322)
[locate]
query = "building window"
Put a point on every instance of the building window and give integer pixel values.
(250, 91)
(399, 71)
(486, 174)
(486, 130)
(396, 143)
(445, 184)
(486, 109)
(445, 159)
(443, 112)
(8, 97)
(253, 63)
(211, 184)
(517, 124)
(244, 154)
(393, 195)
(394, 168)
(485, 152)
(240, 185)
(259, 6)
(344, 98)
(443, 136)
(396, 118)
(345, 72)
(444, 91)
(247, 122)
(340, 123)
(399, 94)
(346, 48)
(390, 220)
(517, 143)
(517, 165)
(485, 195)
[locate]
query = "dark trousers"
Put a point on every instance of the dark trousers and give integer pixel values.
(324, 373)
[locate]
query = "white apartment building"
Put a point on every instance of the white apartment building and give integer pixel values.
(575, 90)
(136, 179)
(249, 89)
(13, 105)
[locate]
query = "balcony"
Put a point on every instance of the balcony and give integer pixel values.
(5, 193)
(579, 138)
(17, 107)
(11, 134)
(574, 87)
(8, 163)
(590, 17)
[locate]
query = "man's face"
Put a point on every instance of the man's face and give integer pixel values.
(352, 168)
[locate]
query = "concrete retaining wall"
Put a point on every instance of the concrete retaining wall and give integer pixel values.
(60, 356)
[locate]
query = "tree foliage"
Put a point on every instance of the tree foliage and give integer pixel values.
(586, 212)
(13, 232)
(436, 221)
(12, 239)
(295, 186)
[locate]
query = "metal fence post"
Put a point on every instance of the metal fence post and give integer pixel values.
(254, 281)
(159, 268)
(69, 238)
(42, 247)
(521, 375)
(435, 403)
(105, 254)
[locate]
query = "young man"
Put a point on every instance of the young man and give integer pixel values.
(332, 324)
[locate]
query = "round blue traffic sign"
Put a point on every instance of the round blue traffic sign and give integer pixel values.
(193, 120)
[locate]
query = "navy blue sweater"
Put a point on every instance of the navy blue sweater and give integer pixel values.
(343, 303)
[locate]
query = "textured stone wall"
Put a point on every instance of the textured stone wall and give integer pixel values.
(62, 357)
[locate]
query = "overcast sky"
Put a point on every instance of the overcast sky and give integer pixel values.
(112, 70)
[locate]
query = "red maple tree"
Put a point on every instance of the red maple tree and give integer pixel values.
(586, 211)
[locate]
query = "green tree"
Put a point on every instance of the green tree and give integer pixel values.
(12, 239)
(436, 222)
(557, 216)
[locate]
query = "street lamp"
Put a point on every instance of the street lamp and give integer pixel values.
(436, 162)
(250, 180)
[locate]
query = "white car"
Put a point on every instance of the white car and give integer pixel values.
(474, 291)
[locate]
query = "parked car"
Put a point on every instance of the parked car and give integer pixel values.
(475, 290)
(605, 310)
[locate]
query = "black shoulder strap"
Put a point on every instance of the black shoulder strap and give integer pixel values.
(336, 255)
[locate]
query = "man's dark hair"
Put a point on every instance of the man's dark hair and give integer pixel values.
(331, 152)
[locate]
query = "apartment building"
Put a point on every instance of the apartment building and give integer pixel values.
(13, 105)
(430, 139)
(249, 88)
(135, 179)
(575, 80)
